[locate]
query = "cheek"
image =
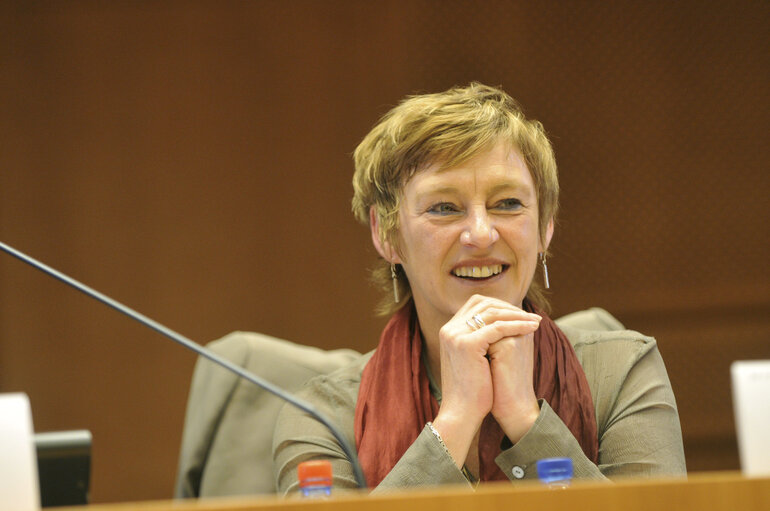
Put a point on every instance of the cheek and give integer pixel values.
(523, 239)
(425, 242)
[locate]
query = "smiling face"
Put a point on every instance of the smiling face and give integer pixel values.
(469, 229)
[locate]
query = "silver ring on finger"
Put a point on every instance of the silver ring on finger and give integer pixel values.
(475, 322)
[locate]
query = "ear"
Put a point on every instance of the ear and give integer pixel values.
(548, 236)
(382, 246)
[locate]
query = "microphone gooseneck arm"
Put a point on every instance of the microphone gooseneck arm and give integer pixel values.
(200, 350)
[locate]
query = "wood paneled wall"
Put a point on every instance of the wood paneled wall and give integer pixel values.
(192, 159)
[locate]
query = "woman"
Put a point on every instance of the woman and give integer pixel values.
(471, 380)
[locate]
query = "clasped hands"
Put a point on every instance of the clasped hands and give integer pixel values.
(486, 366)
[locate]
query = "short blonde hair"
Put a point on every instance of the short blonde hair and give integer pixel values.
(448, 128)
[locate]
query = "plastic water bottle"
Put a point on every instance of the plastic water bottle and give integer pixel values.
(315, 478)
(555, 473)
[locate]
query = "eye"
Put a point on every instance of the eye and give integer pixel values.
(509, 204)
(443, 208)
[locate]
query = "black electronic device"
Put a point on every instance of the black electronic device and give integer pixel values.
(64, 467)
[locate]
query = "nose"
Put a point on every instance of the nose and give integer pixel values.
(480, 231)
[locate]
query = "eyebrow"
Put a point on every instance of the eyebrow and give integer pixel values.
(508, 185)
(441, 190)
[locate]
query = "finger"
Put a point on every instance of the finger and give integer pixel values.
(478, 303)
(498, 322)
(515, 344)
(490, 301)
(483, 338)
(494, 313)
(485, 312)
(502, 329)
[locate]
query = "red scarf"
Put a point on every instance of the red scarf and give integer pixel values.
(395, 402)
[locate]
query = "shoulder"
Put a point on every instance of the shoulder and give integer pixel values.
(622, 367)
(345, 376)
(613, 361)
(337, 391)
(609, 344)
(602, 342)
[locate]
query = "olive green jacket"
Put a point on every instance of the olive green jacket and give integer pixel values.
(636, 414)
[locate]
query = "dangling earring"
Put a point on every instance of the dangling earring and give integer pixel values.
(394, 276)
(545, 270)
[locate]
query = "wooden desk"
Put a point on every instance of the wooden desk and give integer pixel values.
(710, 491)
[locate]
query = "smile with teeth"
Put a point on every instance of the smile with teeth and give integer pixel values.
(478, 272)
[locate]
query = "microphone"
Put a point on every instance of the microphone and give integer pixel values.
(200, 350)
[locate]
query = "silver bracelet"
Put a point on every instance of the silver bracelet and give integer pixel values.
(438, 436)
(463, 469)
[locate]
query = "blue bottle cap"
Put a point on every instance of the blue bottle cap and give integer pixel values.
(554, 469)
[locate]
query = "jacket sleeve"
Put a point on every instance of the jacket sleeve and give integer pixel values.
(300, 437)
(636, 414)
